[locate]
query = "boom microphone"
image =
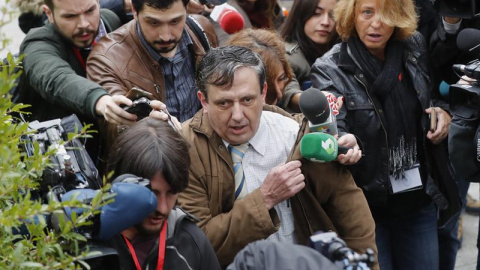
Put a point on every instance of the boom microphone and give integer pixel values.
(133, 202)
(228, 18)
(320, 147)
(314, 105)
(468, 39)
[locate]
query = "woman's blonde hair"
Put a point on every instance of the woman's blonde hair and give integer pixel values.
(400, 14)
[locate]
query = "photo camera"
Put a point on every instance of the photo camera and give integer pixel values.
(140, 107)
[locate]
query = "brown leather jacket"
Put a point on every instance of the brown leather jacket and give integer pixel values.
(120, 61)
(330, 200)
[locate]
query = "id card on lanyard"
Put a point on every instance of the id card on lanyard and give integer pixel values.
(411, 181)
(161, 248)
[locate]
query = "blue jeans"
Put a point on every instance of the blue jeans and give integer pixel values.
(409, 242)
(448, 236)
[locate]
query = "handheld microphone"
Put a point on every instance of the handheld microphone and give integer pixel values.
(228, 18)
(315, 106)
(468, 39)
(133, 202)
(471, 70)
(320, 147)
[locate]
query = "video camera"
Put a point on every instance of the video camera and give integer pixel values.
(72, 175)
(70, 167)
(464, 134)
(335, 249)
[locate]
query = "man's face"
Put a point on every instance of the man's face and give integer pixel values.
(166, 199)
(162, 28)
(235, 113)
(75, 20)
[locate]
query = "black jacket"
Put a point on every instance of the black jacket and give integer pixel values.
(187, 247)
(362, 115)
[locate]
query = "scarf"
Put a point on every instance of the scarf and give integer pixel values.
(402, 111)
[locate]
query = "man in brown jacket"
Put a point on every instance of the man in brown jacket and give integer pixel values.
(156, 52)
(272, 193)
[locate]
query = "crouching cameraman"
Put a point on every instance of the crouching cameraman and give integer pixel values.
(152, 149)
(326, 252)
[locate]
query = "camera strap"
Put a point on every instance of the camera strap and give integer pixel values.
(162, 241)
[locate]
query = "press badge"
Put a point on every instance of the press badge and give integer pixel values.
(411, 181)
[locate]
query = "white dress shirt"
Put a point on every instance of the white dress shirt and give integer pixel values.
(270, 147)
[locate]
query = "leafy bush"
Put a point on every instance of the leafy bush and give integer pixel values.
(26, 240)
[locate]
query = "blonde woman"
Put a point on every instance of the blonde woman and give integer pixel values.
(381, 70)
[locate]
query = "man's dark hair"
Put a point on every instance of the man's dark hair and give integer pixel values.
(158, 4)
(149, 147)
(218, 67)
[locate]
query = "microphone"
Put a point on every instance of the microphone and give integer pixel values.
(133, 202)
(468, 39)
(320, 147)
(228, 18)
(471, 70)
(315, 106)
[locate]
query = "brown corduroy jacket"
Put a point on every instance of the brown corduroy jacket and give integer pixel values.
(330, 200)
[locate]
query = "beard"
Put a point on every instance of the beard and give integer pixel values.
(161, 46)
(147, 229)
(76, 39)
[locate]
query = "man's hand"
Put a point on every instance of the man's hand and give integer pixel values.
(194, 7)
(160, 112)
(353, 155)
(109, 108)
(282, 182)
(127, 6)
(443, 125)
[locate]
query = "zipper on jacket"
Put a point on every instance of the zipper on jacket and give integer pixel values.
(383, 127)
(157, 89)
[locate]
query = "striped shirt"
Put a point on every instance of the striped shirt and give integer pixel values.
(179, 76)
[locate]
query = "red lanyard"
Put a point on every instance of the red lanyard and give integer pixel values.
(161, 248)
(76, 51)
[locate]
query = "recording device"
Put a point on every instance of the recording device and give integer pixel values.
(70, 166)
(320, 147)
(140, 107)
(433, 120)
(141, 103)
(71, 175)
(464, 133)
(467, 9)
(228, 18)
(314, 105)
(469, 40)
(136, 93)
(335, 249)
(133, 202)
